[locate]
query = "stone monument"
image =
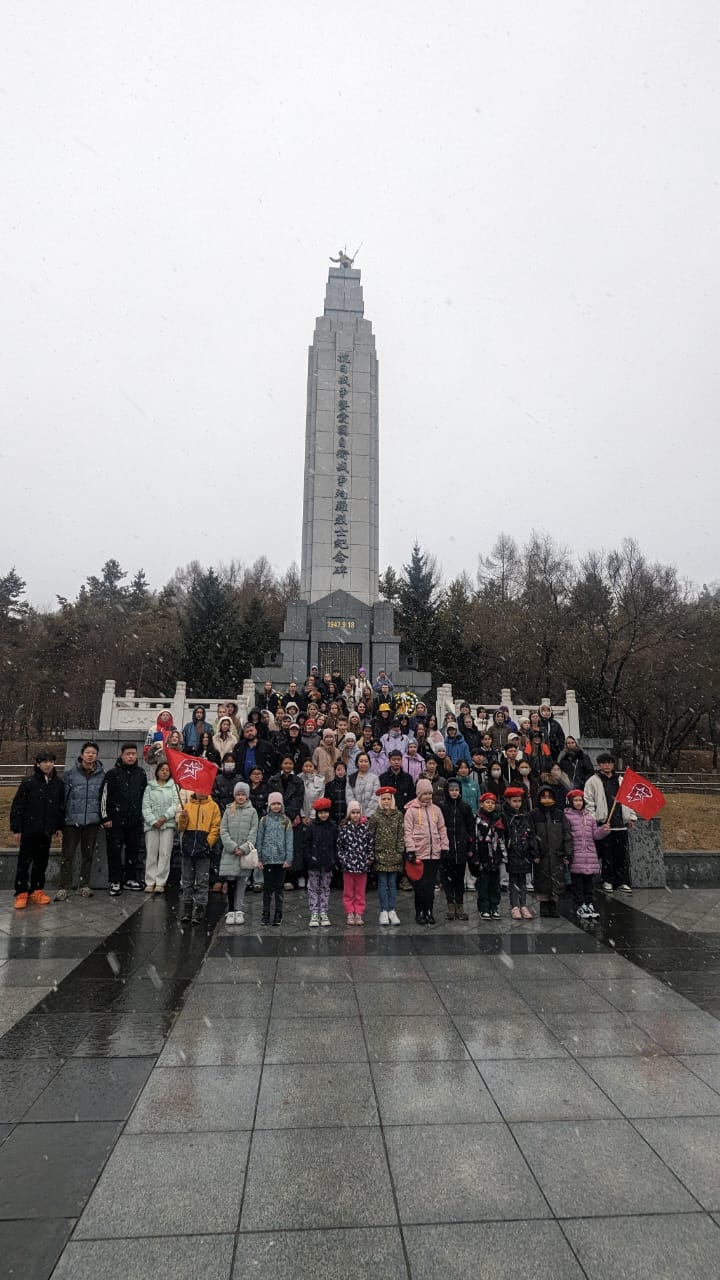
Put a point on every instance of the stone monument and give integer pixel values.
(339, 620)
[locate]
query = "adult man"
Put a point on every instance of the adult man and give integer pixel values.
(600, 796)
(251, 751)
(268, 700)
(194, 728)
(396, 777)
(83, 785)
(121, 816)
(508, 764)
(552, 732)
(36, 813)
(295, 695)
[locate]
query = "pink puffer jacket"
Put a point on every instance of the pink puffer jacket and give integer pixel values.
(585, 831)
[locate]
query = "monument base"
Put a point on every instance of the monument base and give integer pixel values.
(341, 632)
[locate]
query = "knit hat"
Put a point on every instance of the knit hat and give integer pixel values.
(328, 733)
(241, 788)
(423, 787)
(275, 797)
(509, 792)
(349, 738)
(490, 795)
(322, 803)
(354, 804)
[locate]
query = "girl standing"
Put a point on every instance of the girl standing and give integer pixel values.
(238, 832)
(159, 810)
(585, 830)
(386, 825)
(275, 852)
(425, 840)
(355, 850)
(320, 841)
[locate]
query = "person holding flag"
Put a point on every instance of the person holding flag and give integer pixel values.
(603, 800)
(199, 826)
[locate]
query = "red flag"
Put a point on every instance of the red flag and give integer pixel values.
(191, 772)
(637, 793)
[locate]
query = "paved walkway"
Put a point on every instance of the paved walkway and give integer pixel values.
(495, 1101)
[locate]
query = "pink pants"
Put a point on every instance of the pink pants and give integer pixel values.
(354, 883)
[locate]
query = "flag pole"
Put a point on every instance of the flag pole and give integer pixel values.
(614, 807)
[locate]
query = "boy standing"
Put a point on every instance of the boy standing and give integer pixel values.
(37, 812)
(199, 825)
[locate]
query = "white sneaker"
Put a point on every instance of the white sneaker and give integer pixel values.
(301, 882)
(582, 912)
(592, 911)
(239, 917)
(625, 888)
(61, 895)
(607, 887)
(230, 917)
(384, 917)
(314, 920)
(393, 917)
(324, 919)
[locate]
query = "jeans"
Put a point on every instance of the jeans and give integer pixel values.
(158, 851)
(129, 838)
(488, 889)
(517, 888)
(86, 837)
(614, 854)
(32, 863)
(354, 884)
(195, 881)
(273, 881)
(318, 890)
(425, 888)
(387, 890)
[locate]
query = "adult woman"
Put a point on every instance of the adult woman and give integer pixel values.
(225, 739)
(425, 841)
(206, 749)
(363, 786)
(159, 809)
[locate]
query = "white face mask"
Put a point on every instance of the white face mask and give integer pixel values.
(228, 768)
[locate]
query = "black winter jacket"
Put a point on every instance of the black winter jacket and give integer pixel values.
(520, 841)
(122, 795)
(320, 845)
(460, 825)
(38, 807)
(292, 791)
(403, 784)
(336, 792)
(223, 789)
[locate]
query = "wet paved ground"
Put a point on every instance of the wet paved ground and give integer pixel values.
(504, 1100)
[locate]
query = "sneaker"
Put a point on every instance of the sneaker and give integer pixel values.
(495, 915)
(314, 920)
(359, 920)
(384, 918)
(159, 888)
(485, 915)
(350, 918)
(149, 888)
(289, 886)
(277, 918)
(607, 887)
(625, 888)
(265, 921)
(21, 901)
(592, 911)
(394, 917)
(86, 892)
(198, 915)
(515, 914)
(582, 912)
(39, 897)
(301, 882)
(324, 919)
(526, 913)
(230, 917)
(135, 885)
(61, 895)
(115, 890)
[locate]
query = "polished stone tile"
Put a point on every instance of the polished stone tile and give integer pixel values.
(681, 1032)
(456, 1173)
(45, 1035)
(124, 1036)
(21, 1082)
(185, 1099)
(432, 1093)
(690, 1146)
(307, 1096)
(387, 999)
(413, 1039)
(704, 1065)
(168, 1184)
(519, 969)
(478, 999)
(228, 1000)
(591, 1168)
(15, 1002)
(100, 1089)
(237, 969)
(643, 994)
(599, 965)
(491, 1251)
(226, 1042)
(605, 1040)
(31, 1254)
(473, 968)
(34, 973)
(564, 997)
(508, 1037)
(547, 1090)
(387, 969)
(647, 1248)
(320, 1040)
(355, 1254)
(324, 1178)
(207, 1257)
(645, 1086)
(313, 969)
(48, 1170)
(314, 1000)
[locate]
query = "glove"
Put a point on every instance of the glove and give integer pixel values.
(410, 857)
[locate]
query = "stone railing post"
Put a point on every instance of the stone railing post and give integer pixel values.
(106, 705)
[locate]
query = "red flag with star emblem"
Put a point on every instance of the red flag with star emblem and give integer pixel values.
(638, 794)
(190, 772)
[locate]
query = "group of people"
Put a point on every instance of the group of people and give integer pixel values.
(334, 779)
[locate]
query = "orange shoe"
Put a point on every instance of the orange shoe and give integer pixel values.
(21, 900)
(39, 897)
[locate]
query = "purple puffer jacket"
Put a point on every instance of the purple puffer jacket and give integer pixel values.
(585, 830)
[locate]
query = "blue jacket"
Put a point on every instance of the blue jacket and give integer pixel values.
(82, 795)
(457, 749)
(275, 839)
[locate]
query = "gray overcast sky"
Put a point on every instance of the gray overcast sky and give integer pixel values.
(536, 190)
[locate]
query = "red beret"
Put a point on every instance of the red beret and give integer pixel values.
(322, 803)
(509, 792)
(488, 795)
(577, 792)
(387, 791)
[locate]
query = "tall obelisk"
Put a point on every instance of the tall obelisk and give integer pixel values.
(340, 540)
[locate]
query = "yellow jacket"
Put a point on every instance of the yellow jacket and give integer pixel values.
(201, 814)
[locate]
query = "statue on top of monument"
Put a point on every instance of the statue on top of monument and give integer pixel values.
(343, 260)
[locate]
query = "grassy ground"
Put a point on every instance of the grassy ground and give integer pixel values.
(687, 821)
